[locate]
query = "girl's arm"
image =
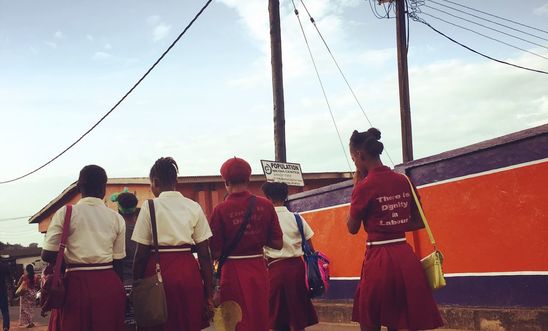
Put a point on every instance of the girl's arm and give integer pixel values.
(140, 260)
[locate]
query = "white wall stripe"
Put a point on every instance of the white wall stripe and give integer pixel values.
(325, 208)
(474, 274)
(484, 173)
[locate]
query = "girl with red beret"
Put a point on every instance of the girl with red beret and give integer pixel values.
(393, 290)
(244, 276)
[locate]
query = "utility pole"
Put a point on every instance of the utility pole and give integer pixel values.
(405, 108)
(277, 80)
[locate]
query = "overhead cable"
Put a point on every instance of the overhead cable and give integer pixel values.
(418, 19)
(486, 36)
(322, 87)
(499, 17)
(487, 27)
(488, 20)
(118, 102)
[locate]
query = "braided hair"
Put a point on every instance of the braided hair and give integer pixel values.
(165, 170)
(367, 141)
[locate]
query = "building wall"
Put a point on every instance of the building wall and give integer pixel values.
(487, 209)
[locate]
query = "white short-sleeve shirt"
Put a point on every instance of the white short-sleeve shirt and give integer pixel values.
(179, 221)
(292, 237)
(96, 233)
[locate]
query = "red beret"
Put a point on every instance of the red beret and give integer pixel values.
(236, 169)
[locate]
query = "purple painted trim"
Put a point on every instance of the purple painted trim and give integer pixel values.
(323, 197)
(496, 291)
(524, 146)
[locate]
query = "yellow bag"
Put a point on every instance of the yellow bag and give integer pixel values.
(431, 263)
(227, 316)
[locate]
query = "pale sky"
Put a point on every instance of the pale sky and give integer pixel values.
(63, 64)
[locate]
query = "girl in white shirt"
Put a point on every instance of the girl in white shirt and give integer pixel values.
(95, 298)
(181, 223)
(290, 305)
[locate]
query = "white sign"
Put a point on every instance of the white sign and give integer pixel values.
(289, 173)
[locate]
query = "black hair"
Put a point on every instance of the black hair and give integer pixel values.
(275, 191)
(30, 271)
(92, 181)
(127, 200)
(367, 141)
(165, 170)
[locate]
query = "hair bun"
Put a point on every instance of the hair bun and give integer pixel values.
(375, 133)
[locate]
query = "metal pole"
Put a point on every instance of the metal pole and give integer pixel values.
(277, 80)
(405, 108)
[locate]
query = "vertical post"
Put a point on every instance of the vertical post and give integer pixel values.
(405, 108)
(277, 80)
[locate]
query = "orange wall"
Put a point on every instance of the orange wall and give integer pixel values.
(491, 223)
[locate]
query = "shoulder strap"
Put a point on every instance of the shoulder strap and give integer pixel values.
(62, 244)
(304, 243)
(155, 250)
(239, 235)
(421, 212)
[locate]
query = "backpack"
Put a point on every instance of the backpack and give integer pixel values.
(316, 266)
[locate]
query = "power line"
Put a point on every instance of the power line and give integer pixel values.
(321, 85)
(488, 20)
(119, 101)
(486, 36)
(487, 27)
(341, 72)
(493, 15)
(418, 19)
(14, 218)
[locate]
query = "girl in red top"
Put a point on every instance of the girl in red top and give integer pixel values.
(244, 276)
(393, 290)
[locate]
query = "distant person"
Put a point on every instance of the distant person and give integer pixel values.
(27, 298)
(244, 277)
(393, 289)
(95, 298)
(290, 304)
(5, 280)
(127, 207)
(181, 223)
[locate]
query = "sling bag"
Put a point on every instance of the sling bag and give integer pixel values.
(52, 293)
(148, 295)
(431, 263)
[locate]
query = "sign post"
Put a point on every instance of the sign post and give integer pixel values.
(280, 172)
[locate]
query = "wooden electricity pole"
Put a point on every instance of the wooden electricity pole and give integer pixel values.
(405, 108)
(277, 80)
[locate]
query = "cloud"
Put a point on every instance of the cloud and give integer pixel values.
(51, 44)
(108, 46)
(59, 35)
(89, 37)
(160, 32)
(542, 10)
(153, 20)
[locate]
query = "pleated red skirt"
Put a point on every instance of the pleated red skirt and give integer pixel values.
(290, 305)
(95, 301)
(184, 291)
(393, 291)
(245, 281)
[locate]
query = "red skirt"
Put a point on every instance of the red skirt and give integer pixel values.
(393, 291)
(95, 301)
(184, 291)
(245, 281)
(290, 305)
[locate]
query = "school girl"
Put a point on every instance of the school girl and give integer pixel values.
(181, 223)
(244, 276)
(95, 298)
(290, 305)
(393, 290)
